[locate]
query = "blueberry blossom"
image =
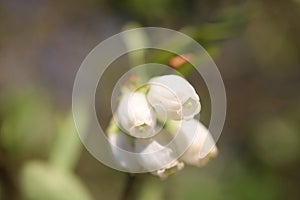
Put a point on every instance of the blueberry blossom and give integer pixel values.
(201, 147)
(181, 140)
(173, 97)
(136, 116)
(149, 160)
(120, 145)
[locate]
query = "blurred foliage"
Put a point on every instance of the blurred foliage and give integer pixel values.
(276, 142)
(255, 44)
(43, 181)
(27, 123)
(30, 129)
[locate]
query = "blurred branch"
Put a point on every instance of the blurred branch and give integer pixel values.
(135, 40)
(129, 187)
(132, 185)
(7, 182)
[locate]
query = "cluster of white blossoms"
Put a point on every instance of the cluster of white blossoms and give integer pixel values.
(152, 119)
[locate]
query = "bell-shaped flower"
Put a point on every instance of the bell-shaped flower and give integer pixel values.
(123, 152)
(136, 116)
(156, 157)
(197, 142)
(173, 97)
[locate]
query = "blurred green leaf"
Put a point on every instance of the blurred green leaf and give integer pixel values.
(154, 8)
(227, 22)
(27, 122)
(67, 146)
(276, 141)
(41, 181)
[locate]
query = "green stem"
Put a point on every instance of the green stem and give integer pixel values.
(132, 187)
(128, 192)
(67, 147)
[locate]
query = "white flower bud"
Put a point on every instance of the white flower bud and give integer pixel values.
(163, 164)
(136, 116)
(120, 143)
(202, 146)
(173, 97)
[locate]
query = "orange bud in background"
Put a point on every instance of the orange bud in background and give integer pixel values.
(178, 61)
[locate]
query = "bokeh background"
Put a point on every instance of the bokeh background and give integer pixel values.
(255, 45)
